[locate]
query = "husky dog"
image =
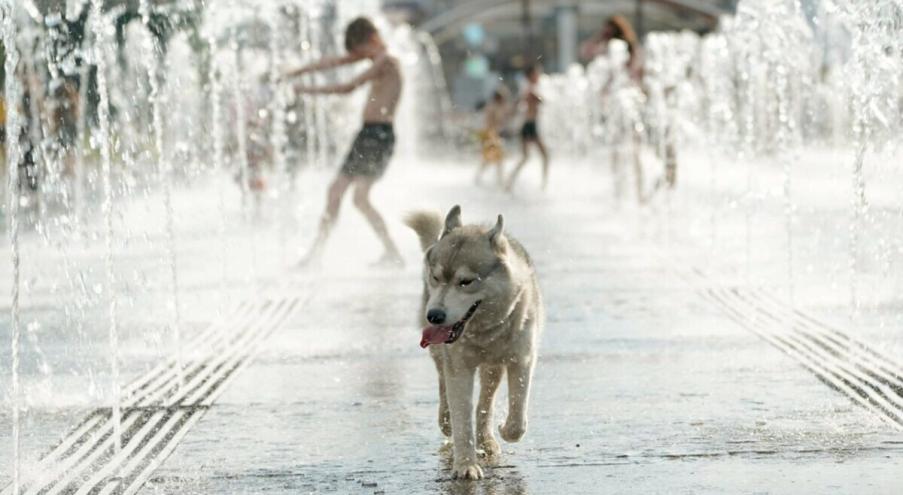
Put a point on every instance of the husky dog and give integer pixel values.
(482, 309)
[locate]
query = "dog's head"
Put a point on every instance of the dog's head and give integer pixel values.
(465, 274)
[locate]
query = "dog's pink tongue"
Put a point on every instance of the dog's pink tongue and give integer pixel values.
(435, 335)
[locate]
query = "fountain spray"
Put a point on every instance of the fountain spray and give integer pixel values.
(307, 99)
(99, 27)
(242, 138)
(216, 88)
(315, 35)
(278, 138)
(13, 127)
(166, 174)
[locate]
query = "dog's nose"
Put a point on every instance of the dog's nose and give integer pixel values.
(435, 316)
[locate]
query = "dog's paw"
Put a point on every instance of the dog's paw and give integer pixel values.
(467, 470)
(512, 431)
(489, 446)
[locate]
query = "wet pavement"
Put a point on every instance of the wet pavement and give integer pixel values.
(649, 380)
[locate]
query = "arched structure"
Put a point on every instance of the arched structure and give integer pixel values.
(698, 15)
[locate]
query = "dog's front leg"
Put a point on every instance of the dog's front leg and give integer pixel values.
(520, 373)
(490, 378)
(459, 387)
(444, 419)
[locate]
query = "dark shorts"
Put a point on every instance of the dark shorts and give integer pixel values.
(370, 152)
(529, 131)
(68, 134)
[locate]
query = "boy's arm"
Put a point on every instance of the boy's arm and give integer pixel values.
(344, 88)
(322, 64)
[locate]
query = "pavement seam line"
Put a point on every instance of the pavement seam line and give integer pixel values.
(67, 465)
(815, 368)
(866, 387)
(750, 316)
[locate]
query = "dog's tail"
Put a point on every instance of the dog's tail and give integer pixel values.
(427, 225)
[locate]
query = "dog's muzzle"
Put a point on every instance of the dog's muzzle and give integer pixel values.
(449, 334)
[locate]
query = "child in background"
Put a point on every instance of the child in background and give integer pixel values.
(529, 133)
(372, 148)
(493, 151)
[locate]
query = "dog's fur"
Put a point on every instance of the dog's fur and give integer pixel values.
(499, 337)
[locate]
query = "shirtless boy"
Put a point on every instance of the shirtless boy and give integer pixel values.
(372, 148)
(529, 133)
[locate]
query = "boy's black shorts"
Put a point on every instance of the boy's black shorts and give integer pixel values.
(529, 131)
(370, 152)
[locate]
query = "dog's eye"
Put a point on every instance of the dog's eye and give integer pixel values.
(465, 282)
(435, 279)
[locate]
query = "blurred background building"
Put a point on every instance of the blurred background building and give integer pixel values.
(484, 40)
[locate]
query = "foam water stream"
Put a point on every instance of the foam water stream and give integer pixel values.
(13, 92)
(166, 174)
(219, 160)
(100, 30)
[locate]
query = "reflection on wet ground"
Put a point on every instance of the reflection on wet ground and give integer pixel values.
(644, 384)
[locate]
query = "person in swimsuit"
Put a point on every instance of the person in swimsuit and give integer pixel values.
(372, 148)
(529, 133)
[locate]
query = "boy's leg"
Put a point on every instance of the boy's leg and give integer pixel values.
(638, 169)
(670, 164)
(333, 201)
(545, 162)
(362, 202)
(520, 164)
(480, 170)
(617, 172)
(500, 173)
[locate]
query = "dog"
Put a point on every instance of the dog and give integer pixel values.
(482, 310)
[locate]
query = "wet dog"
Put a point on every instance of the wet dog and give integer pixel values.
(482, 310)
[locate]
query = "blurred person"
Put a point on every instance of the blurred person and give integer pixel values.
(616, 27)
(529, 133)
(29, 115)
(372, 148)
(3, 120)
(3, 134)
(259, 150)
(64, 113)
(496, 113)
(630, 131)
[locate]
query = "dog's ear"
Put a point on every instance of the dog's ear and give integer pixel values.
(497, 236)
(452, 220)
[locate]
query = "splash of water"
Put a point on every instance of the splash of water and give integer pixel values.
(100, 28)
(35, 89)
(13, 153)
(315, 36)
(166, 172)
(278, 137)
(216, 89)
(869, 51)
(241, 124)
(749, 97)
(81, 131)
(241, 128)
(784, 127)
